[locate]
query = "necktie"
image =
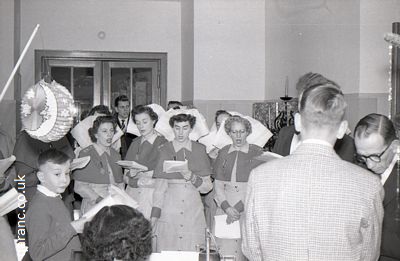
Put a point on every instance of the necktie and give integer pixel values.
(122, 124)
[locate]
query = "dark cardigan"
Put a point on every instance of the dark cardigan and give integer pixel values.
(97, 171)
(223, 165)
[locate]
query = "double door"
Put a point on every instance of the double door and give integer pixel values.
(93, 81)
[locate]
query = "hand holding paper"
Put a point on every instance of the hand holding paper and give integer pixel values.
(224, 230)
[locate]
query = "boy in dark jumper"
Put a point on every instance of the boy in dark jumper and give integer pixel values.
(52, 235)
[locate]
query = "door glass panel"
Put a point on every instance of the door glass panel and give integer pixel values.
(62, 75)
(83, 90)
(142, 83)
(120, 83)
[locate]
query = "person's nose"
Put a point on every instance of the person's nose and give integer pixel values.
(180, 132)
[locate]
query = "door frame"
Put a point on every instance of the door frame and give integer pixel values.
(41, 57)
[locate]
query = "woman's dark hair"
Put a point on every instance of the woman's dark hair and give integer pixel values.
(117, 232)
(100, 109)
(219, 112)
(182, 118)
(144, 109)
(96, 124)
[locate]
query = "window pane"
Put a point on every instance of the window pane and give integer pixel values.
(62, 75)
(120, 83)
(142, 83)
(83, 89)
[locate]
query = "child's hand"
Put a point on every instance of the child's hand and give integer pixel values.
(79, 224)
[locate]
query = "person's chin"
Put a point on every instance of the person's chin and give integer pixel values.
(60, 190)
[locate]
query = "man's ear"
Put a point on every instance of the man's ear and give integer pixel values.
(40, 176)
(297, 122)
(342, 129)
(395, 145)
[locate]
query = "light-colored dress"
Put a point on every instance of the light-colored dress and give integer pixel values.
(145, 152)
(177, 203)
(231, 191)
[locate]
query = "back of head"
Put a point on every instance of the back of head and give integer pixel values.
(117, 232)
(322, 106)
(174, 105)
(311, 79)
(53, 156)
(99, 109)
(376, 123)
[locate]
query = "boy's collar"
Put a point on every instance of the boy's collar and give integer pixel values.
(47, 191)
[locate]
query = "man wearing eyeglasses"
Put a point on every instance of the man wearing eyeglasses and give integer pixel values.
(377, 145)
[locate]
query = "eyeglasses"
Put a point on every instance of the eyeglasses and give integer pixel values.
(373, 157)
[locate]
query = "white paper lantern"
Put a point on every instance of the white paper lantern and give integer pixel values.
(47, 111)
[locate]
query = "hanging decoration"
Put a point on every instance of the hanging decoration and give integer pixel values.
(47, 111)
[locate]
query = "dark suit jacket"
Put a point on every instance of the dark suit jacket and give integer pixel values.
(344, 147)
(390, 246)
(126, 139)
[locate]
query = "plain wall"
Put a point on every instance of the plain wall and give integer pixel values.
(187, 18)
(229, 50)
(317, 36)
(129, 26)
(7, 45)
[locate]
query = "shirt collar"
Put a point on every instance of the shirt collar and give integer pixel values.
(295, 143)
(385, 175)
(244, 148)
(100, 150)
(317, 141)
(47, 191)
(150, 138)
(178, 146)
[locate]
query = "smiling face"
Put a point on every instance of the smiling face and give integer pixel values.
(54, 177)
(238, 134)
(105, 134)
(144, 123)
(182, 131)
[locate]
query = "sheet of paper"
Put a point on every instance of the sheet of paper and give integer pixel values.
(117, 197)
(130, 164)
(267, 156)
(175, 256)
(6, 163)
(79, 163)
(9, 201)
(171, 166)
(224, 230)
